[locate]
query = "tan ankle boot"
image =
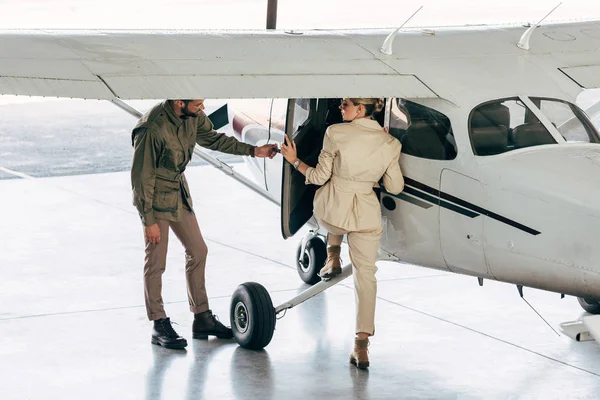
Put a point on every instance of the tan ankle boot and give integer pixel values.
(360, 355)
(333, 264)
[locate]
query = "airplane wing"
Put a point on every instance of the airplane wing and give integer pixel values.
(154, 65)
(245, 64)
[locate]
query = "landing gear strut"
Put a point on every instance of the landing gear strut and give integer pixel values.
(252, 313)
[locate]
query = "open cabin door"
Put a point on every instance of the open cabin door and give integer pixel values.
(306, 128)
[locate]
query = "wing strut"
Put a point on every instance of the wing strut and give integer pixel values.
(226, 169)
(126, 107)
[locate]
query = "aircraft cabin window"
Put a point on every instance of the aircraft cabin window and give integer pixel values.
(505, 125)
(589, 102)
(301, 112)
(277, 113)
(568, 120)
(423, 132)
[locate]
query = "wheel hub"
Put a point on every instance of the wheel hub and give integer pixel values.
(305, 262)
(241, 317)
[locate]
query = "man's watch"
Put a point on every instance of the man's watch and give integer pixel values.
(297, 163)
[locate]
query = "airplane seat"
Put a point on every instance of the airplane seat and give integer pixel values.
(490, 140)
(511, 137)
(421, 140)
(494, 114)
(489, 129)
(531, 134)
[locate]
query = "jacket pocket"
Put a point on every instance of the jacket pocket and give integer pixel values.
(166, 195)
(172, 159)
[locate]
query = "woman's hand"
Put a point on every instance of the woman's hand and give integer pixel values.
(288, 150)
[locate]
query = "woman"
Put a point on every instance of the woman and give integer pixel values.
(354, 158)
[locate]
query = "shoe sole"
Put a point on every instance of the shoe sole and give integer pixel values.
(168, 346)
(359, 365)
(205, 336)
(332, 274)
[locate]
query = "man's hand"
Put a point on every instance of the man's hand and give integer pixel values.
(267, 150)
(152, 234)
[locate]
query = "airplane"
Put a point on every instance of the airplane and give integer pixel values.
(501, 166)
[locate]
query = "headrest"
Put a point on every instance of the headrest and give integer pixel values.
(489, 141)
(419, 125)
(531, 134)
(490, 115)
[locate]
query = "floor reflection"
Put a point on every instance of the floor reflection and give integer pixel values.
(360, 381)
(204, 351)
(252, 374)
(162, 360)
(314, 320)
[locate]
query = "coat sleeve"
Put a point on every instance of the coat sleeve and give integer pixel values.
(207, 137)
(320, 174)
(143, 173)
(393, 181)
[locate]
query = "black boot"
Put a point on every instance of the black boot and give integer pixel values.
(164, 335)
(206, 323)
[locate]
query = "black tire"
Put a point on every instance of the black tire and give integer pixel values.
(589, 305)
(313, 260)
(252, 316)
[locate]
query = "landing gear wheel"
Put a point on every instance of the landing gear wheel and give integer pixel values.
(310, 263)
(252, 316)
(589, 305)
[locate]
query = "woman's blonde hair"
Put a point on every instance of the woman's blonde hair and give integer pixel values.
(372, 105)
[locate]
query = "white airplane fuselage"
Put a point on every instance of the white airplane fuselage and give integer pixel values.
(527, 216)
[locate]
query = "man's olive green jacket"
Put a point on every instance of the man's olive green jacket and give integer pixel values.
(163, 147)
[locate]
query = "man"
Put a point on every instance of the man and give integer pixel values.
(164, 140)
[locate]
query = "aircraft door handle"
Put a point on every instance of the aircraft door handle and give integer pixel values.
(473, 238)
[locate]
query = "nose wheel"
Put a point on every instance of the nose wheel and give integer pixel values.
(310, 260)
(252, 316)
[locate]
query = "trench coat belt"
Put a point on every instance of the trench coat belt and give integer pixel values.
(355, 186)
(173, 178)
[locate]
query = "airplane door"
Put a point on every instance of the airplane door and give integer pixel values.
(273, 168)
(296, 196)
(461, 229)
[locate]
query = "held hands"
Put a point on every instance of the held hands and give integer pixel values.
(267, 150)
(152, 234)
(288, 150)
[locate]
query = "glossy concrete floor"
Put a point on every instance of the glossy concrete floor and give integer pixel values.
(73, 325)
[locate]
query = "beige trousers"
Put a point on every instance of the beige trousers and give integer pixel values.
(188, 233)
(363, 255)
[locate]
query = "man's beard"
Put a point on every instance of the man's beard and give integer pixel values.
(187, 113)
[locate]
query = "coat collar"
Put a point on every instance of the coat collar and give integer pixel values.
(171, 113)
(366, 122)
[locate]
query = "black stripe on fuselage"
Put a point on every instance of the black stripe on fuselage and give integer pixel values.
(423, 204)
(410, 199)
(411, 185)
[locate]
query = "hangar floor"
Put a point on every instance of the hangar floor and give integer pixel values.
(74, 327)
